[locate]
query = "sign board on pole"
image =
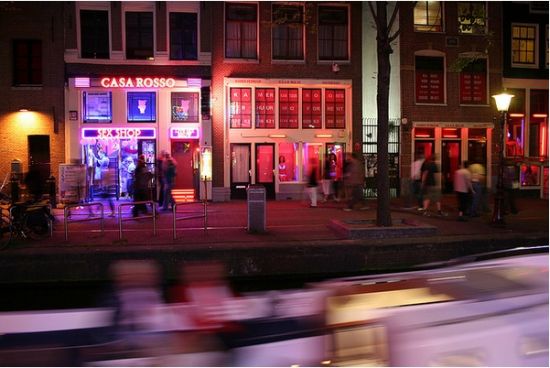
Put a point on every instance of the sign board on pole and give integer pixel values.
(72, 183)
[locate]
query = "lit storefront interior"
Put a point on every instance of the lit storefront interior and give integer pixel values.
(122, 118)
(453, 143)
(278, 129)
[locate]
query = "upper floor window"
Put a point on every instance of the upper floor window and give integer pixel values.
(94, 34)
(428, 16)
(183, 36)
(524, 41)
(27, 62)
(241, 31)
(471, 17)
(430, 79)
(473, 83)
(333, 33)
(139, 35)
(288, 33)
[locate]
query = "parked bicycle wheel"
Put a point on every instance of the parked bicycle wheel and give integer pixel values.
(36, 225)
(5, 233)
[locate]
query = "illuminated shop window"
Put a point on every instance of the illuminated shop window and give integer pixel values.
(430, 79)
(142, 107)
(265, 108)
(311, 157)
(524, 43)
(311, 109)
(424, 133)
(428, 16)
(450, 132)
(471, 17)
(288, 108)
(240, 114)
(473, 83)
(335, 108)
(97, 107)
(185, 107)
(287, 163)
(529, 175)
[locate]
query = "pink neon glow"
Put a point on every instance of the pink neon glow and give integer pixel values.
(543, 141)
(540, 115)
(82, 82)
(517, 115)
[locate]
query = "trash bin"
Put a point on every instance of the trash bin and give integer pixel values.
(256, 204)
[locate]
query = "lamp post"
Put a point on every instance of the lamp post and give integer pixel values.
(503, 103)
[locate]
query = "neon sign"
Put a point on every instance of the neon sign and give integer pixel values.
(118, 133)
(129, 82)
(191, 132)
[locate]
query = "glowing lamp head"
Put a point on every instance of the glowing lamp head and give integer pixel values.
(503, 101)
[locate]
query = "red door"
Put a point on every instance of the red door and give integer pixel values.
(183, 153)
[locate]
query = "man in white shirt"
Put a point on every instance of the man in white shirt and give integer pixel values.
(463, 187)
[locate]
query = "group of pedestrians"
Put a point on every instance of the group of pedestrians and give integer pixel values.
(348, 186)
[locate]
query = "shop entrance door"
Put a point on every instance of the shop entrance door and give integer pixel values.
(182, 152)
(450, 162)
(39, 155)
(240, 169)
(265, 166)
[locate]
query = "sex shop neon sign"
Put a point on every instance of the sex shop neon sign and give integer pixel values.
(130, 82)
(118, 133)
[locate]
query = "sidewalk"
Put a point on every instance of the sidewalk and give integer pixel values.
(298, 240)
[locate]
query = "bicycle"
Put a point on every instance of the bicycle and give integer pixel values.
(26, 220)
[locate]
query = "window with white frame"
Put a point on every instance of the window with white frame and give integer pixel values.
(240, 102)
(333, 33)
(288, 32)
(472, 17)
(139, 35)
(183, 36)
(265, 108)
(524, 45)
(94, 34)
(288, 108)
(241, 24)
(428, 16)
(473, 83)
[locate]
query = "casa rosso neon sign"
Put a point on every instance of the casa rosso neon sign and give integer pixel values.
(129, 82)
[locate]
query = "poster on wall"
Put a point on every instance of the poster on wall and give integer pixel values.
(72, 183)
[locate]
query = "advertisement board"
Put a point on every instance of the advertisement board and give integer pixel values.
(72, 183)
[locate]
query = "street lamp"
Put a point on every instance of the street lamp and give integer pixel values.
(503, 103)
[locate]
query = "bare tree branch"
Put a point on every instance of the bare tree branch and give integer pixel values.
(374, 14)
(395, 35)
(393, 16)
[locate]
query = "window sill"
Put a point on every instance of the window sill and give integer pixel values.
(281, 61)
(430, 104)
(27, 88)
(474, 105)
(240, 61)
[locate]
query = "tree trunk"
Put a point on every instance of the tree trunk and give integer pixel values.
(383, 214)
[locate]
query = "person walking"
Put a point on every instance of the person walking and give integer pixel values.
(354, 178)
(159, 172)
(141, 186)
(477, 171)
(169, 180)
(329, 175)
(430, 190)
(416, 181)
(462, 183)
(312, 183)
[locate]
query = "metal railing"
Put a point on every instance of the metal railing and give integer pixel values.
(153, 216)
(66, 216)
(204, 215)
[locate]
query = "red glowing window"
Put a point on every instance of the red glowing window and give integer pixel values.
(240, 114)
(335, 108)
(265, 108)
(288, 108)
(473, 83)
(450, 132)
(311, 109)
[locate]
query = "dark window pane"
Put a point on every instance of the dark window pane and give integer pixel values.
(183, 36)
(94, 33)
(240, 31)
(333, 33)
(27, 62)
(139, 35)
(287, 32)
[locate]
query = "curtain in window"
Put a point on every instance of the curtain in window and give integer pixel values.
(249, 40)
(340, 42)
(232, 39)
